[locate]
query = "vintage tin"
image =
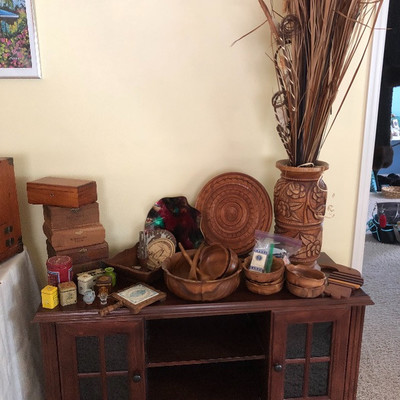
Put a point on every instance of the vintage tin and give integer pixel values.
(67, 291)
(59, 269)
(49, 296)
(103, 281)
(85, 283)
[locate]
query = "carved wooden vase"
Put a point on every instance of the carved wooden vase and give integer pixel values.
(299, 208)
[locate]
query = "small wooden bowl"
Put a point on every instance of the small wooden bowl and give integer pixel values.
(277, 271)
(304, 277)
(188, 289)
(213, 262)
(234, 263)
(305, 292)
(264, 288)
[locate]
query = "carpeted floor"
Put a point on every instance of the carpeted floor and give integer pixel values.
(379, 377)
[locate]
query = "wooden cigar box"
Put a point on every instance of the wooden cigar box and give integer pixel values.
(81, 254)
(66, 218)
(10, 225)
(62, 192)
(63, 239)
(94, 267)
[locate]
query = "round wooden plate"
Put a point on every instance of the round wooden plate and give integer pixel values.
(233, 206)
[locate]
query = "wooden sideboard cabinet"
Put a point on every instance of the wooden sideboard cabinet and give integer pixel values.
(244, 347)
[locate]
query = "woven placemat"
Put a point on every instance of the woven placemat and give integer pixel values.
(233, 206)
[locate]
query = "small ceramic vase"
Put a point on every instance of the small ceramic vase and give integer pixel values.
(110, 272)
(89, 296)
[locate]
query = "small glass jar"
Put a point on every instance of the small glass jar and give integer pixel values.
(109, 271)
(103, 295)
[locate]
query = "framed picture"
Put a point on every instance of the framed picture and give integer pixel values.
(19, 54)
(138, 296)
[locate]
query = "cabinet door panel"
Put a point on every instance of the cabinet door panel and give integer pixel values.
(308, 354)
(101, 360)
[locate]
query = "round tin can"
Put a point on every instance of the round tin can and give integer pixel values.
(59, 269)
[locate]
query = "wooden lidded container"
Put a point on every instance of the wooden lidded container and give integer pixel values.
(61, 192)
(10, 232)
(66, 218)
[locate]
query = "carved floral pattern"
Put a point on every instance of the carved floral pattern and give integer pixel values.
(299, 207)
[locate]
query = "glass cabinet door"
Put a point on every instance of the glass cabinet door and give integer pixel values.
(308, 354)
(101, 361)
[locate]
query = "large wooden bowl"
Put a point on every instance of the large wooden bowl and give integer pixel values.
(304, 276)
(277, 271)
(176, 270)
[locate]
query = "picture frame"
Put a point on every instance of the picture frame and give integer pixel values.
(19, 50)
(138, 296)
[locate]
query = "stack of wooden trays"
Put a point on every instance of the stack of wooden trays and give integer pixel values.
(71, 220)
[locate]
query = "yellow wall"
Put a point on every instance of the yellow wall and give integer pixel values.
(149, 99)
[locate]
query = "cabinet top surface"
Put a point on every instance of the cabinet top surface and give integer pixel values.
(240, 302)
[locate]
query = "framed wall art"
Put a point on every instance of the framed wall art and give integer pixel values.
(19, 54)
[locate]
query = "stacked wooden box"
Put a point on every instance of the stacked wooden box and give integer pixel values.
(71, 220)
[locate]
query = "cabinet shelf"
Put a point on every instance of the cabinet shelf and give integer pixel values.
(239, 381)
(204, 340)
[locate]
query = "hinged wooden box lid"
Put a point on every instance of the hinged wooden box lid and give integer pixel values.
(61, 192)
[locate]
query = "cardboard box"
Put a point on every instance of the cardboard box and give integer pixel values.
(61, 192)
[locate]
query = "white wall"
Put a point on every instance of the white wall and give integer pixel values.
(149, 99)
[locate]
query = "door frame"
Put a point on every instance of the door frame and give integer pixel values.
(371, 117)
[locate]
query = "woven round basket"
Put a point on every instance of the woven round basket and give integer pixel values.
(391, 192)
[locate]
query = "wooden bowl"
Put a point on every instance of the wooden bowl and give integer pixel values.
(213, 262)
(234, 263)
(305, 292)
(188, 289)
(304, 277)
(277, 271)
(264, 288)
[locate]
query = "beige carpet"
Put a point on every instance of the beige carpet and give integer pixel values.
(379, 377)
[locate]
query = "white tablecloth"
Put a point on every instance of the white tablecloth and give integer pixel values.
(20, 356)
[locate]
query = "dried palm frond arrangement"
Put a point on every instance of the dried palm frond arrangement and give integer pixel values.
(314, 42)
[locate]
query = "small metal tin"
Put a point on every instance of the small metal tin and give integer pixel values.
(85, 283)
(67, 293)
(59, 269)
(104, 280)
(49, 296)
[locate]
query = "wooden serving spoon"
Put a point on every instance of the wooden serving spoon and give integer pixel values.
(192, 263)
